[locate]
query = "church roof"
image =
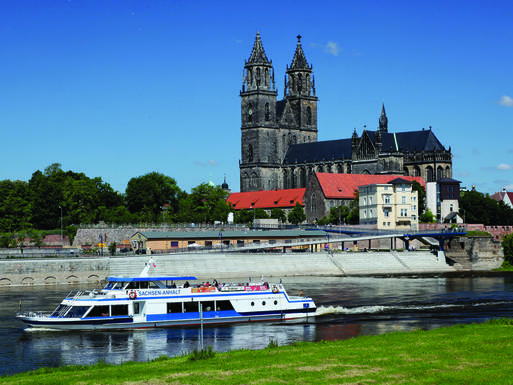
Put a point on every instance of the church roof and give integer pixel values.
(267, 199)
(299, 59)
(409, 141)
(399, 180)
(258, 54)
(318, 151)
(342, 186)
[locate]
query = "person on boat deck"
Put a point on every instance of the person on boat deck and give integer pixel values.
(186, 284)
(215, 283)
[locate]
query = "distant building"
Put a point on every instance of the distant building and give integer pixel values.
(267, 200)
(165, 241)
(390, 206)
(326, 190)
(505, 196)
(279, 146)
(442, 200)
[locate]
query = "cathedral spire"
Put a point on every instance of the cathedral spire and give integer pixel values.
(299, 60)
(383, 120)
(258, 54)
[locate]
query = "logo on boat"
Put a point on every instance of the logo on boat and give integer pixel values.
(158, 292)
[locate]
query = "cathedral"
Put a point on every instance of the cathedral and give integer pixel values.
(279, 147)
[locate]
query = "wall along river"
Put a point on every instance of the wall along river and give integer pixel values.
(347, 307)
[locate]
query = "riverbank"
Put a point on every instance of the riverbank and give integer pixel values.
(207, 266)
(462, 354)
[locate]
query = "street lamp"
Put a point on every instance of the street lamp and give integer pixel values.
(62, 243)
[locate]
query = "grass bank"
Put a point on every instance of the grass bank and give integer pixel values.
(470, 354)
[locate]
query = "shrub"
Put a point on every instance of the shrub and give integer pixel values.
(202, 354)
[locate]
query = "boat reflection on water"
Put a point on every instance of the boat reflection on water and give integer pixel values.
(114, 347)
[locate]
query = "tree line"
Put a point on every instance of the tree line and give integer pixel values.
(55, 197)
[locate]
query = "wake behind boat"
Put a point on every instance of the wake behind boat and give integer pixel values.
(148, 302)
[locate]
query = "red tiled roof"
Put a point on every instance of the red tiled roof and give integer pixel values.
(342, 186)
(500, 196)
(267, 199)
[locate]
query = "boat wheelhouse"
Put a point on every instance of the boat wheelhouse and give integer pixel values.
(147, 302)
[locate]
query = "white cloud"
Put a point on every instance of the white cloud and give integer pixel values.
(509, 187)
(332, 48)
(505, 167)
(506, 101)
(199, 163)
(213, 162)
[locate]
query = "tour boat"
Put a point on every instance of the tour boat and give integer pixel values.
(162, 301)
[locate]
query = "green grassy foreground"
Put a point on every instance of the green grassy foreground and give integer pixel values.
(471, 354)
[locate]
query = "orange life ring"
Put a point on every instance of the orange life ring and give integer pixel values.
(132, 295)
(275, 289)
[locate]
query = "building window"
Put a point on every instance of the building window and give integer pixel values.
(370, 200)
(267, 112)
(385, 188)
(403, 200)
(308, 115)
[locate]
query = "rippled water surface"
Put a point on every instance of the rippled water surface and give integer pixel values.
(348, 307)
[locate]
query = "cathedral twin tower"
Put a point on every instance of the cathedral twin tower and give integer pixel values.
(270, 126)
(279, 145)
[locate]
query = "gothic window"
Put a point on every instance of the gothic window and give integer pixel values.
(416, 171)
(267, 112)
(313, 203)
(429, 173)
(447, 172)
(266, 77)
(285, 179)
(292, 83)
(250, 112)
(299, 83)
(258, 77)
(250, 77)
(254, 181)
(289, 138)
(294, 139)
(340, 169)
(302, 177)
(439, 173)
(308, 115)
(250, 153)
(284, 141)
(406, 172)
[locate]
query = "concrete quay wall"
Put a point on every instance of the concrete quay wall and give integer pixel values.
(20, 272)
(218, 266)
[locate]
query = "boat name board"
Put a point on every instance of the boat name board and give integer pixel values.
(142, 293)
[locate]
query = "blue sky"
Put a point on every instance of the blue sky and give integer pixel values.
(118, 89)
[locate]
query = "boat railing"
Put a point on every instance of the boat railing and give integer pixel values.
(74, 294)
(33, 314)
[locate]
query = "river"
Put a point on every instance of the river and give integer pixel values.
(348, 307)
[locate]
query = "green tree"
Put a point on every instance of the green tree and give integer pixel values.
(353, 217)
(148, 193)
(338, 215)
(205, 204)
(507, 246)
(476, 207)
(36, 238)
(421, 192)
(277, 213)
(15, 212)
(297, 215)
(427, 217)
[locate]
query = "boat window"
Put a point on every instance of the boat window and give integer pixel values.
(207, 305)
(153, 285)
(118, 286)
(119, 310)
(133, 285)
(275, 302)
(263, 303)
(138, 307)
(190, 307)
(57, 311)
(224, 305)
(109, 286)
(99, 311)
(144, 285)
(77, 311)
(174, 307)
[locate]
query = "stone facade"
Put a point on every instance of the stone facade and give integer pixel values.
(279, 147)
